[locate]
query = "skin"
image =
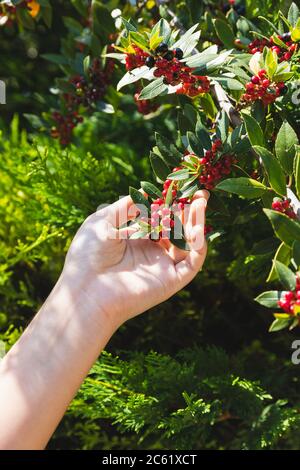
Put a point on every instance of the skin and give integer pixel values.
(106, 280)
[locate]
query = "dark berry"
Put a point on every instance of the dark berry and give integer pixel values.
(284, 90)
(178, 53)
(285, 36)
(240, 9)
(169, 55)
(162, 47)
(150, 61)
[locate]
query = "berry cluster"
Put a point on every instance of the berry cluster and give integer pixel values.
(213, 166)
(168, 65)
(261, 88)
(144, 106)
(86, 92)
(291, 300)
(137, 59)
(283, 53)
(194, 86)
(284, 206)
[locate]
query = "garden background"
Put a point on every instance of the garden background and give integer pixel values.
(200, 371)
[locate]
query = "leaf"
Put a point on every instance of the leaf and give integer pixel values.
(179, 175)
(223, 126)
(286, 276)
(279, 324)
(284, 146)
(194, 143)
(102, 19)
(128, 26)
(297, 171)
(55, 58)
(282, 254)
(213, 64)
(242, 186)
(151, 190)
(34, 120)
(270, 298)
(286, 229)
(155, 40)
(159, 167)
(188, 41)
(169, 152)
(133, 76)
(138, 198)
(273, 169)
(254, 130)
(293, 14)
(271, 61)
(203, 135)
(188, 191)
(105, 107)
(225, 33)
(229, 83)
(155, 88)
(296, 252)
(163, 29)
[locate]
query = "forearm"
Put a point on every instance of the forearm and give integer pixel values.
(42, 372)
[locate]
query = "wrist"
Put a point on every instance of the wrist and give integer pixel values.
(76, 294)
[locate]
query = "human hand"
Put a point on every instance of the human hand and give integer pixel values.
(120, 277)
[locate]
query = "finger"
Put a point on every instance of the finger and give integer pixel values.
(120, 212)
(194, 229)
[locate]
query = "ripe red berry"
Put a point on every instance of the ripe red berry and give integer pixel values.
(255, 80)
(262, 73)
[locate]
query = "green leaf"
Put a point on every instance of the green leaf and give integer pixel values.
(102, 19)
(270, 298)
(286, 276)
(151, 190)
(162, 28)
(254, 130)
(280, 324)
(194, 143)
(224, 33)
(159, 167)
(138, 198)
(56, 58)
(293, 14)
(155, 88)
(271, 61)
(188, 41)
(273, 169)
(35, 121)
(188, 191)
(214, 64)
(297, 170)
(179, 175)
(229, 83)
(286, 229)
(282, 254)
(169, 152)
(285, 146)
(296, 252)
(128, 26)
(203, 135)
(245, 187)
(133, 76)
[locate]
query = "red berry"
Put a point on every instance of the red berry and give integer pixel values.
(255, 80)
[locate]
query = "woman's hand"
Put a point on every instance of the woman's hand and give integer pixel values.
(122, 277)
(107, 279)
